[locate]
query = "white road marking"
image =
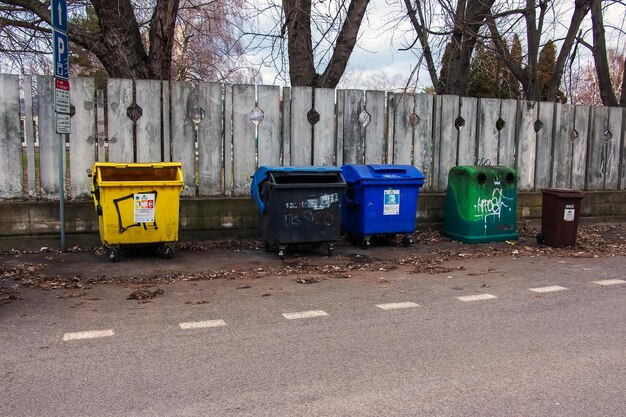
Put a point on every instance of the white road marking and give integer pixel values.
(394, 306)
(552, 288)
(610, 282)
(477, 297)
(304, 314)
(201, 324)
(92, 334)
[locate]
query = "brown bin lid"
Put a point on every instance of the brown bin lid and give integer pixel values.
(563, 192)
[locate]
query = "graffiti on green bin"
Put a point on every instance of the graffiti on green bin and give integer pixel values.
(492, 205)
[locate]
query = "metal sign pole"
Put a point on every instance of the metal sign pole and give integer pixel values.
(62, 189)
(60, 50)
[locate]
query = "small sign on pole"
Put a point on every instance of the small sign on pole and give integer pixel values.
(62, 96)
(63, 124)
(60, 48)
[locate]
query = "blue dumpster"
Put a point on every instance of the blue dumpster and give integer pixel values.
(380, 200)
(298, 205)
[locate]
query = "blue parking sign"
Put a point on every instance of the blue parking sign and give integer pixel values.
(60, 47)
(59, 15)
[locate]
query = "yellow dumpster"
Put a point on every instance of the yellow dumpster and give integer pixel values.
(137, 204)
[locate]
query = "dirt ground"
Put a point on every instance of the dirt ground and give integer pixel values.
(81, 268)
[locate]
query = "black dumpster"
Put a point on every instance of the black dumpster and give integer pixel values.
(298, 205)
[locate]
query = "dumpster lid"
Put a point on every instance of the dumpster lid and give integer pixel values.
(563, 192)
(354, 173)
(263, 173)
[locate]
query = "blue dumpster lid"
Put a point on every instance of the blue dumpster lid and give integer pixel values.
(261, 175)
(355, 173)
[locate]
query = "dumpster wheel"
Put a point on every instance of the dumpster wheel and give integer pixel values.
(330, 248)
(282, 252)
(365, 243)
(168, 252)
(114, 255)
(540, 238)
(406, 241)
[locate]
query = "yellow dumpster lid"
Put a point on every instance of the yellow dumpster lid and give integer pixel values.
(120, 174)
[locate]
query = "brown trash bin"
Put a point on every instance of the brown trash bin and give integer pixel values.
(560, 211)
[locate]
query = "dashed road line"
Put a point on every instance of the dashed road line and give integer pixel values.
(395, 306)
(610, 282)
(304, 314)
(91, 334)
(552, 288)
(201, 324)
(477, 297)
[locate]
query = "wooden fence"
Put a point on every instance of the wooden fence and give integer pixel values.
(222, 133)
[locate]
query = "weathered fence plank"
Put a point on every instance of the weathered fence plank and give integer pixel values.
(101, 126)
(12, 171)
(148, 142)
(613, 151)
(375, 130)
(165, 117)
(423, 137)
(622, 185)
(210, 142)
(83, 136)
(301, 132)
(579, 147)
(324, 129)
(244, 146)
(526, 144)
(286, 158)
(341, 100)
(404, 106)
(466, 151)
(597, 149)
(120, 126)
(506, 137)
(228, 140)
(48, 139)
(562, 159)
(353, 152)
(543, 171)
(446, 150)
(488, 115)
(184, 132)
(391, 100)
(269, 129)
(29, 136)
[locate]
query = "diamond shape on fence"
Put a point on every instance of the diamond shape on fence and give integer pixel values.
(538, 126)
(134, 112)
(256, 115)
(414, 119)
(313, 116)
(364, 118)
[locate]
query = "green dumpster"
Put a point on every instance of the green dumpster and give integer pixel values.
(481, 204)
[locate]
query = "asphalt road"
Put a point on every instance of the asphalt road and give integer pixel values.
(519, 353)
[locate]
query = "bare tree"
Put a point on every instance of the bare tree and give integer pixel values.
(302, 68)
(133, 38)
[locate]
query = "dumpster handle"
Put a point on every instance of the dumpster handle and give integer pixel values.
(119, 215)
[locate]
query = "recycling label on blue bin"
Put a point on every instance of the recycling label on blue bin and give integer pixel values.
(392, 202)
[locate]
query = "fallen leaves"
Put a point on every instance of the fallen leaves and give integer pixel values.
(144, 294)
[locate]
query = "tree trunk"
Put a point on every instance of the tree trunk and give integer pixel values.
(299, 42)
(344, 45)
(600, 56)
(580, 11)
(119, 47)
(417, 20)
(162, 28)
(469, 17)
